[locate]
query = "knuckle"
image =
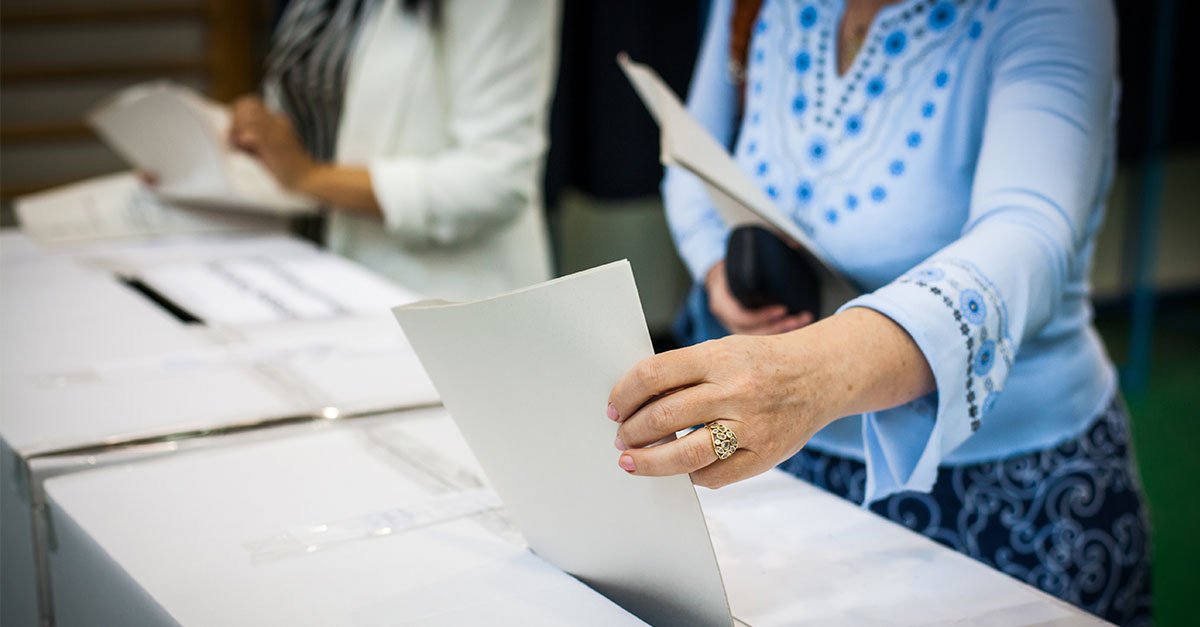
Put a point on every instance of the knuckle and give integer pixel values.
(649, 371)
(663, 417)
(693, 456)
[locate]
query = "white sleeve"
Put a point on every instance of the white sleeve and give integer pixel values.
(498, 57)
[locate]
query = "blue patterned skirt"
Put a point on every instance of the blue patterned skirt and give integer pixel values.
(1069, 520)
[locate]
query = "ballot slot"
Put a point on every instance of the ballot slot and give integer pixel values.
(160, 300)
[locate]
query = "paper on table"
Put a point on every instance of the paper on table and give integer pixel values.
(688, 145)
(253, 289)
(116, 206)
(179, 135)
(526, 377)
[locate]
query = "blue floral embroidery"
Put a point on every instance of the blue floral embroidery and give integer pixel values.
(941, 79)
(817, 150)
(896, 167)
(985, 344)
(973, 307)
(942, 15)
(772, 191)
(808, 16)
(989, 402)
(875, 87)
(878, 193)
(853, 124)
(759, 55)
(803, 62)
(976, 30)
(894, 44)
(851, 202)
(799, 104)
(929, 274)
(804, 191)
(984, 358)
(751, 147)
(762, 168)
(913, 140)
(927, 110)
(831, 216)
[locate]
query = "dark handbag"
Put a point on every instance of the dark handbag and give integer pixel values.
(762, 270)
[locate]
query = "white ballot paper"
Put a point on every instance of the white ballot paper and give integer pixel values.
(737, 199)
(118, 206)
(526, 377)
(180, 136)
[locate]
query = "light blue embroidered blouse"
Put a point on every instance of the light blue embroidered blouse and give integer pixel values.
(957, 172)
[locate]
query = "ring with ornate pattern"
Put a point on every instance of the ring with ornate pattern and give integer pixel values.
(724, 442)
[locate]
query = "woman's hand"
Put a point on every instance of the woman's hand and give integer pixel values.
(741, 321)
(773, 392)
(271, 137)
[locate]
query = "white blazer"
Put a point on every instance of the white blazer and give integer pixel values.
(451, 125)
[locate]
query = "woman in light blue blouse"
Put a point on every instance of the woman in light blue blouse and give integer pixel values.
(952, 157)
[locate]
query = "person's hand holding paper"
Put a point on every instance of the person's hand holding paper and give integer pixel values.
(772, 393)
(271, 138)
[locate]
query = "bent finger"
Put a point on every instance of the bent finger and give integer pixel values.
(665, 416)
(654, 376)
(741, 465)
(689, 453)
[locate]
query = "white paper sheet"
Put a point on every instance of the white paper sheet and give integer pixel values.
(118, 206)
(526, 376)
(251, 289)
(179, 135)
(737, 199)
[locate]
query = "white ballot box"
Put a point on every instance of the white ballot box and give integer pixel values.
(389, 521)
(792, 554)
(349, 526)
(89, 360)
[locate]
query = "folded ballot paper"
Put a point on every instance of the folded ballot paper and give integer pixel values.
(526, 377)
(737, 199)
(180, 136)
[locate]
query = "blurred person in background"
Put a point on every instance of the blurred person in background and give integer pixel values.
(951, 157)
(421, 124)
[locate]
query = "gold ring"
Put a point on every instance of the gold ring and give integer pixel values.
(724, 442)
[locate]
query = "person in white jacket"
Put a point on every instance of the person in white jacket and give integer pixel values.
(422, 125)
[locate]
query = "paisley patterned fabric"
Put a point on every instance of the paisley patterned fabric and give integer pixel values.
(1069, 520)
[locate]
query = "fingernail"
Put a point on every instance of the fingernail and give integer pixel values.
(626, 463)
(620, 444)
(612, 413)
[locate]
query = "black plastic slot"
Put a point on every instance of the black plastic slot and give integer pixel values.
(163, 302)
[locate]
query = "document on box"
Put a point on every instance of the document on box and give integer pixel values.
(179, 135)
(526, 377)
(259, 289)
(736, 198)
(118, 206)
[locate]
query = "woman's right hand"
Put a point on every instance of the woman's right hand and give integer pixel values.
(741, 321)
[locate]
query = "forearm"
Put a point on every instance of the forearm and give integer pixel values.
(863, 362)
(344, 187)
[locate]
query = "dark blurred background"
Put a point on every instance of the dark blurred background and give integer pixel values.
(60, 57)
